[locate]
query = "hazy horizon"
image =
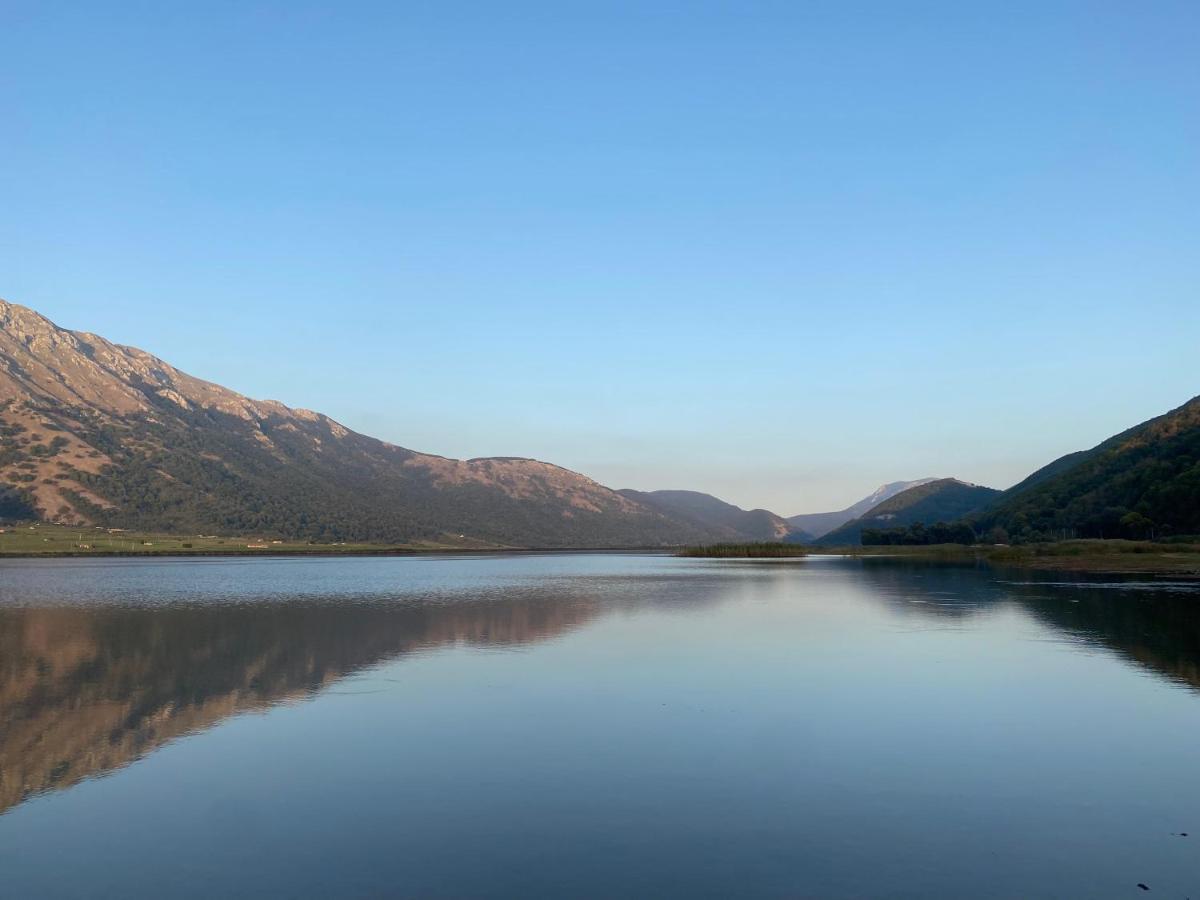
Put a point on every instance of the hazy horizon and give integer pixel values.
(781, 258)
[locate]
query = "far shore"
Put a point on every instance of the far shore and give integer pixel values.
(1111, 557)
(1115, 557)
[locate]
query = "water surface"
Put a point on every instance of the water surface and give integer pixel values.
(593, 725)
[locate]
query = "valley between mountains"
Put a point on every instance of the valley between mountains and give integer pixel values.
(98, 434)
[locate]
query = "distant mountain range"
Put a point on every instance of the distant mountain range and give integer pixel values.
(1141, 483)
(93, 432)
(814, 525)
(941, 500)
(705, 511)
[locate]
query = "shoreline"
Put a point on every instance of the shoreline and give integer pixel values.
(1111, 557)
(1095, 557)
(275, 553)
(1101, 557)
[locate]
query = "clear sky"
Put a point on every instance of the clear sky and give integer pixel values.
(780, 252)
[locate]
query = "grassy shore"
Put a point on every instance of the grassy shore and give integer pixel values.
(62, 540)
(1118, 557)
(1112, 556)
(1108, 556)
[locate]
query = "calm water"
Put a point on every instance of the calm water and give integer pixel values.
(593, 725)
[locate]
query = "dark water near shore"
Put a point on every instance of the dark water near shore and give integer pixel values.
(594, 725)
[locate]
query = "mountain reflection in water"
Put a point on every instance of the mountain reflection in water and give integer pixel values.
(88, 688)
(593, 725)
(84, 691)
(89, 684)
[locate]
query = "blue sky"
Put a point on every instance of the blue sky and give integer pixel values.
(781, 252)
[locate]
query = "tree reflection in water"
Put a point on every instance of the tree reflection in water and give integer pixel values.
(1154, 624)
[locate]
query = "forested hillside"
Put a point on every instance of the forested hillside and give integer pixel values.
(1144, 482)
(809, 526)
(940, 501)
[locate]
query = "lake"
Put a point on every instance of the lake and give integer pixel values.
(594, 725)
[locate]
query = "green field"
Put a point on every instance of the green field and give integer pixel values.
(61, 540)
(1102, 556)
(1113, 556)
(1108, 556)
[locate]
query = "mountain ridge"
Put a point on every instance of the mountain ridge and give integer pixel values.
(940, 500)
(1141, 482)
(102, 433)
(707, 511)
(818, 524)
(95, 432)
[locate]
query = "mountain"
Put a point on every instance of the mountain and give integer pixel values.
(817, 524)
(93, 432)
(706, 512)
(1140, 483)
(943, 500)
